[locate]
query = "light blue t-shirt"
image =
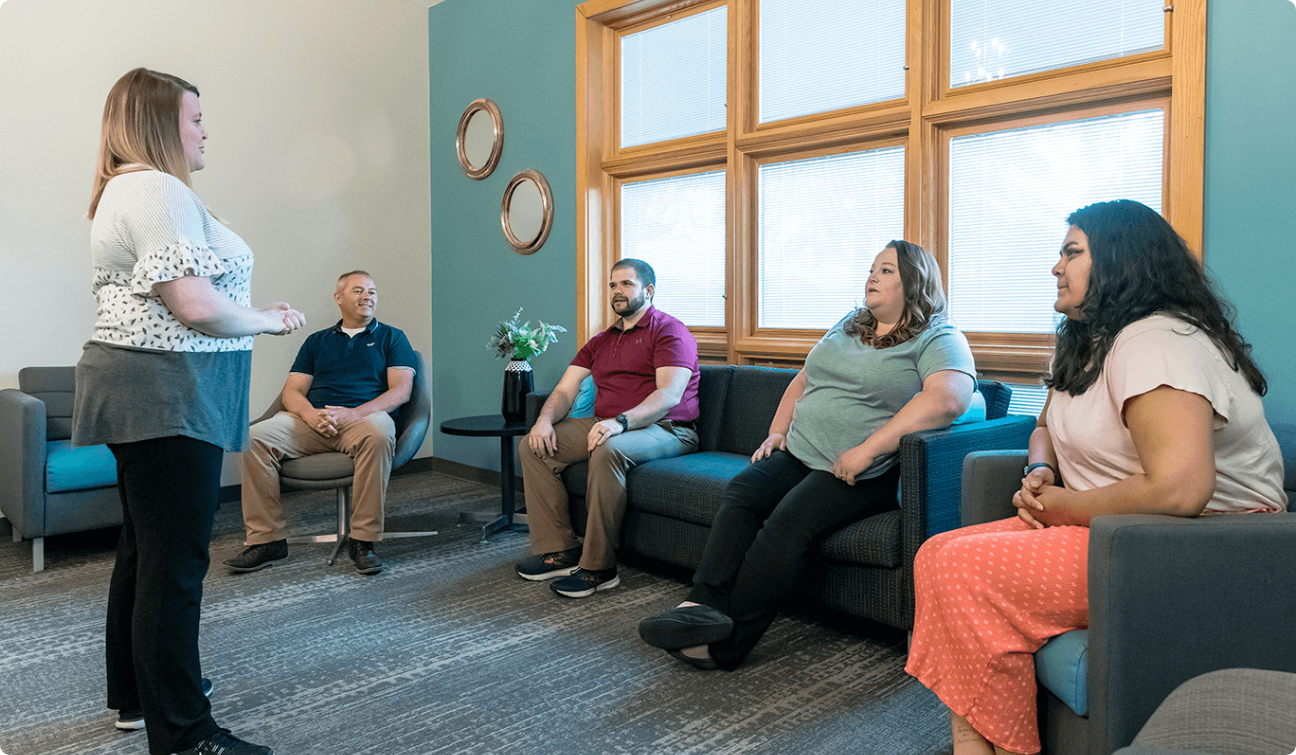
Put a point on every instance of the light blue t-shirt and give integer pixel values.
(852, 390)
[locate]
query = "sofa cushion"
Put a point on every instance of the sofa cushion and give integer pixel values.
(872, 541)
(751, 401)
(687, 488)
(1062, 667)
(68, 468)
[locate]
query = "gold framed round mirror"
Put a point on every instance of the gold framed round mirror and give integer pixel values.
(527, 211)
(479, 140)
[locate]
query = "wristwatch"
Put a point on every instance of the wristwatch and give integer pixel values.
(625, 423)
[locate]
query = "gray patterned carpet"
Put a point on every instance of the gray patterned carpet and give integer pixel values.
(447, 651)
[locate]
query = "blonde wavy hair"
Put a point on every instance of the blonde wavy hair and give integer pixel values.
(141, 126)
(924, 296)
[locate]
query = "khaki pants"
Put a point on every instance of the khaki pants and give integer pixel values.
(605, 495)
(370, 442)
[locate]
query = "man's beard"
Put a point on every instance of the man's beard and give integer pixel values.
(632, 306)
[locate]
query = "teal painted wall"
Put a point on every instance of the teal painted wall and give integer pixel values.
(522, 55)
(1251, 180)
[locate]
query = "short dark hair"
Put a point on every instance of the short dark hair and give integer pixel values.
(1139, 266)
(642, 269)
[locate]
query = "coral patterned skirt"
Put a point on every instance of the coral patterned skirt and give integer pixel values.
(987, 597)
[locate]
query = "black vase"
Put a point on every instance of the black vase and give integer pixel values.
(518, 382)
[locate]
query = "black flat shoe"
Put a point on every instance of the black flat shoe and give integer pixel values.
(685, 627)
(704, 664)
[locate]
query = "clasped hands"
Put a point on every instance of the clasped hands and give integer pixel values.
(330, 420)
(1037, 488)
(290, 318)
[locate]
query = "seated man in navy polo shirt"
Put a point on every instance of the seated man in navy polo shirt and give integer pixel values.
(338, 397)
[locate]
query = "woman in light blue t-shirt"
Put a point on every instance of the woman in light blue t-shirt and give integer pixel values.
(892, 367)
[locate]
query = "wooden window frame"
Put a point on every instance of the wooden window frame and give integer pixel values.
(923, 122)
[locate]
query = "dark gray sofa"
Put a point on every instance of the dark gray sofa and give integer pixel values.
(1169, 599)
(864, 569)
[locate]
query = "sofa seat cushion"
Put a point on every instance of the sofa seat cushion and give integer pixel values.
(1062, 667)
(687, 487)
(872, 541)
(82, 468)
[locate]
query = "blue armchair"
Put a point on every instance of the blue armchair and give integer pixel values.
(49, 487)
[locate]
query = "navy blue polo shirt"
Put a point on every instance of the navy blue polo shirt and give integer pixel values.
(350, 371)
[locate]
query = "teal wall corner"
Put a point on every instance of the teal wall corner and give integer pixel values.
(522, 55)
(1250, 222)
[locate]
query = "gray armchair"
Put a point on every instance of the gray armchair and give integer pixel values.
(46, 486)
(1170, 598)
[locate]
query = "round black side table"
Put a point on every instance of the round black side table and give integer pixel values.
(495, 426)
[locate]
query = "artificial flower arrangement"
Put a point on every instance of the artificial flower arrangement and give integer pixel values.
(521, 342)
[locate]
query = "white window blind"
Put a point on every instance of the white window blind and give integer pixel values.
(822, 221)
(821, 55)
(994, 39)
(673, 79)
(1010, 194)
(677, 225)
(1027, 398)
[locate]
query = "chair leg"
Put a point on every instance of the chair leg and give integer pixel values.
(38, 553)
(344, 521)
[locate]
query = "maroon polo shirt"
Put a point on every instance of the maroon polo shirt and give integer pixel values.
(624, 364)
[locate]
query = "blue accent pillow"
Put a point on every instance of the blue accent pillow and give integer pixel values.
(1062, 667)
(584, 404)
(68, 468)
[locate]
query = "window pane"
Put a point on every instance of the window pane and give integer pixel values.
(822, 221)
(1010, 195)
(820, 55)
(992, 39)
(677, 225)
(673, 79)
(1027, 398)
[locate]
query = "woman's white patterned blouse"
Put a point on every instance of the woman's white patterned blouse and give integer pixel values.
(150, 228)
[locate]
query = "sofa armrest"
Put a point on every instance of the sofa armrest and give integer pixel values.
(22, 461)
(931, 469)
(989, 480)
(1171, 598)
(534, 403)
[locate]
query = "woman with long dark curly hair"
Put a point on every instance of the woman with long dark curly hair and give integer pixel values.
(1154, 408)
(892, 367)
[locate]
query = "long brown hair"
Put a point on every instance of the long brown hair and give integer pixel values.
(924, 297)
(141, 125)
(1140, 267)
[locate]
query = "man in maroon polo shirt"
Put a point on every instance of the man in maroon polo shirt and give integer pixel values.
(645, 370)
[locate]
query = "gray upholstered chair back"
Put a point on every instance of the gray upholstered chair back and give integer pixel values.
(55, 386)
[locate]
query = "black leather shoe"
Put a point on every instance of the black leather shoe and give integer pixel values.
(224, 743)
(704, 664)
(363, 556)
(258, 557)
(685, 627)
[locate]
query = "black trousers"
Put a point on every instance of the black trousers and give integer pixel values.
(770, 515)
(169, 490)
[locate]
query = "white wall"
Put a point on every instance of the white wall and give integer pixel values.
(317, 114)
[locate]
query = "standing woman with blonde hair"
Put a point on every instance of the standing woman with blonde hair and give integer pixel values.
(164, 382)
